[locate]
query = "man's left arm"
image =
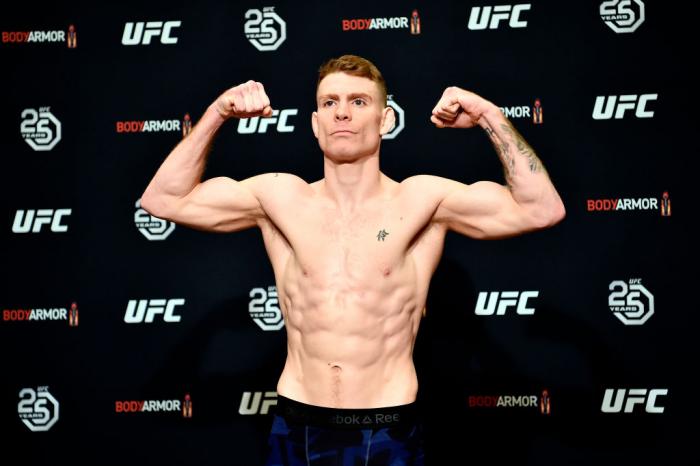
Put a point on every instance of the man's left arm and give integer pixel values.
(528, 201)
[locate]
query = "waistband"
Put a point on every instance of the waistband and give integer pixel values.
(365, 418)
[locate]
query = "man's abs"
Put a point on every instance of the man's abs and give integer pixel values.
(350, 338)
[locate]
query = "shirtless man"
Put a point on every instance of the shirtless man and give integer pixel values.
(354, 252)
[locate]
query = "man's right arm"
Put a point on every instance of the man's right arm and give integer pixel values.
(220, 204)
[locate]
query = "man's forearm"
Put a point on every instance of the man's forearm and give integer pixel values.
(524, 172)
(182, 170)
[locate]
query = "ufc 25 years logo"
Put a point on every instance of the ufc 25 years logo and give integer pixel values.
(141, 33)
(37, 409)
(265, 29)
(40, 129)
(264, 308)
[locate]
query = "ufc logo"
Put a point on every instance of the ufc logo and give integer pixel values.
(134, 33)
(33, 220)
(260, 125)
(494, 302)
(249, 407)
(605, 107)
(630, 398)
(144, 310)
(483, 18)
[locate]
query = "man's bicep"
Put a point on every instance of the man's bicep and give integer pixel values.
(220, 204)
(483, 210)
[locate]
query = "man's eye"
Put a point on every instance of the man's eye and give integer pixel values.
(328, 103)
(358, 102)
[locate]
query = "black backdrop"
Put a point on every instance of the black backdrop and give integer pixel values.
(213, 344)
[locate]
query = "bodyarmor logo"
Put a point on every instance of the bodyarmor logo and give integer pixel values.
(264, 308)
(250, 406)
(542, 403)
(265, 29)
(186, 125)
(415, 23)
(259, 125)
(72, 37)
(34, 36)
(482, 17)
(499, 304)
(518, 111)
(627, 302)
(665, 205)
(37, 409)
(134, 33)
(630, 398)
(622, 15)
(145, 310)
(399, 123)
(605, 108)
(32, 220)
(533, 113)
(537, 113)
(40, 129)
(187, 406)
(151, 227)
(73, 315)
(150, 406)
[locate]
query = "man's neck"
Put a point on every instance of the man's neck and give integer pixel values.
(349, 185)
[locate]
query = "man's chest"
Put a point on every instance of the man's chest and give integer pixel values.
(375, 237)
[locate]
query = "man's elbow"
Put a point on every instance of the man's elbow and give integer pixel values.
(154, 205)
(553, 215)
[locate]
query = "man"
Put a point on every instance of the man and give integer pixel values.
(352, 253)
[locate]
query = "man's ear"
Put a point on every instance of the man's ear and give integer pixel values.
(314, 123)
(388, 120)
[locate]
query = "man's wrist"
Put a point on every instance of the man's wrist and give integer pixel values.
(213, 115)
(490, 116)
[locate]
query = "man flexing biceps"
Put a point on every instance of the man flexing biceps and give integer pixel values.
(352, 253)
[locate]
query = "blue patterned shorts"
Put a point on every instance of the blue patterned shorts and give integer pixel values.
(306, 435)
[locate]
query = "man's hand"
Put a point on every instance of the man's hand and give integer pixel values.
(458, 108)
(244, 101)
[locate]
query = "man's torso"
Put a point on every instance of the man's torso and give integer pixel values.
(352, 285)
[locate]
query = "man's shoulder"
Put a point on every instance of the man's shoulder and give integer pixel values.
(269, 180)
(277, 187)
(425, 182)
(429, 187)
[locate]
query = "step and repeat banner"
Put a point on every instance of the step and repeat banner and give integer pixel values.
(128, 339)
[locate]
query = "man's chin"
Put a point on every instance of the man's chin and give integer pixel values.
(340, 151)
(344, 153)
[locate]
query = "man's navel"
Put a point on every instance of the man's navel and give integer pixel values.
(336, 372)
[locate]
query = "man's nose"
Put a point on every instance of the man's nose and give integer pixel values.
(342, 111)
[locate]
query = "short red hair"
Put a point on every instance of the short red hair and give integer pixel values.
(354, 66)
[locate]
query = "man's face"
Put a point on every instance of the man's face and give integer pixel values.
(351, 117)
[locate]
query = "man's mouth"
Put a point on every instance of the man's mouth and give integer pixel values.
(342, 132)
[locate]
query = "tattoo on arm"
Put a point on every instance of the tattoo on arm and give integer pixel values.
(382, 235)
(523, 148)
(502, 148)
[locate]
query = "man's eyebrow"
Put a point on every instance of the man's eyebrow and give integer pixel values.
(360, 95)
(354, 95)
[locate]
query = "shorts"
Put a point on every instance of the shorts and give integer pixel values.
(306, 435)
